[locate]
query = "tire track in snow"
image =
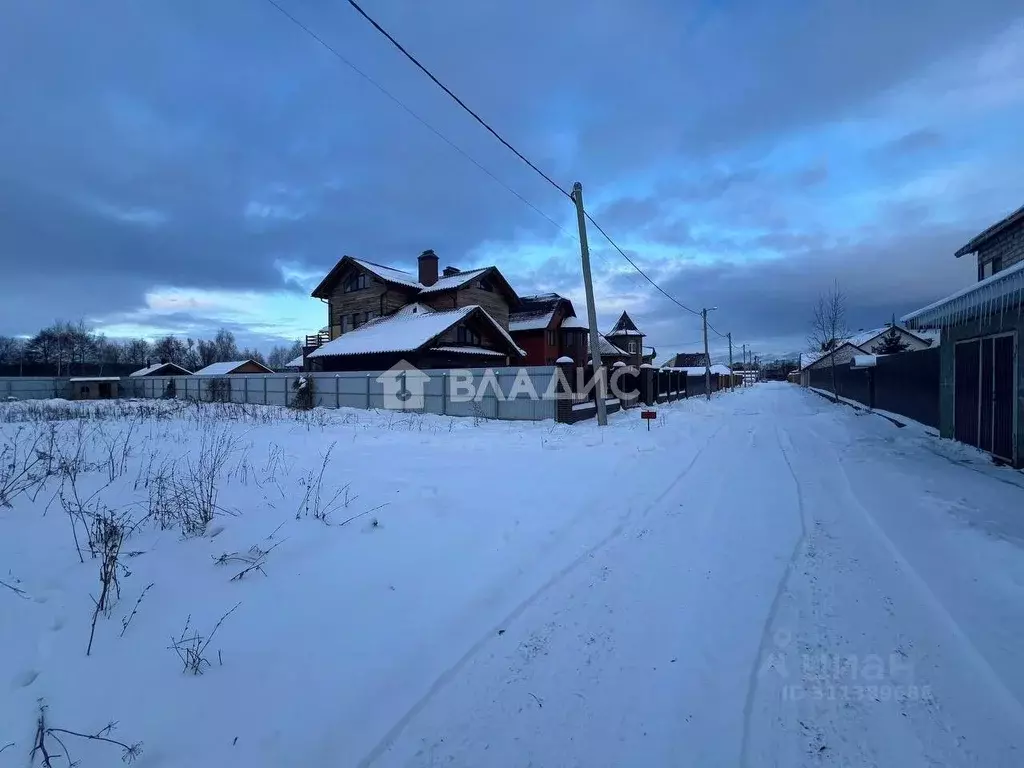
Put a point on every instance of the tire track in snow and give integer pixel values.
(764, 644)
(932, 601)
(389, 738)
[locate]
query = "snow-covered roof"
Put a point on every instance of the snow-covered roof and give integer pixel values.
(94, 378)
(564, 360)
(624, 326)
(156, 367)
(453, 281)
(402, 333)
(576, 322)
(471, 351)
(606, 348)
(222, 369)
(530, 321)
(993, 295)
(296, 363)
(390, 274)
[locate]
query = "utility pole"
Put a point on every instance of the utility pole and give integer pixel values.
(707, 358)
(595, 341)
(732, 376)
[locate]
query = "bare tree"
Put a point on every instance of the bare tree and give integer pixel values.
(829, 329)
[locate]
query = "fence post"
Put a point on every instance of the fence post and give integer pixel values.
(367, 391)
(245, 390)
(444, 393)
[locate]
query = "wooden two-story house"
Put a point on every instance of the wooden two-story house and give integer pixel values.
(378, 315)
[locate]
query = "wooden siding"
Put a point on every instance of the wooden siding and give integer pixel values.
(380, 297)
(494, 302)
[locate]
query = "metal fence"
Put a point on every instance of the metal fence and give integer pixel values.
(33, 388)
(480, 392)
(906, 383)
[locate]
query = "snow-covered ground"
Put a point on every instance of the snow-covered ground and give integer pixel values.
(766, 579)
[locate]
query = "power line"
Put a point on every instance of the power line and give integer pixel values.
(500, 138)
(331, 49)
(458, 101)
(482, 122)
(633, 264)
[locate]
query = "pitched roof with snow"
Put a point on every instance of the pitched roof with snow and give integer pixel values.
(294, 363)
(222, 369)
(606, 348)
(454, 281)
(409, 280)
(151, 369)
(979, 240)
(404, 332)
(624, 327)
(530, 321)
(686, 360)
(576, 322)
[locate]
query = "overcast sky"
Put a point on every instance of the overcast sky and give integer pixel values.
(182, 165)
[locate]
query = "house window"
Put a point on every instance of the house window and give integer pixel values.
(356, 283)
(347, 323)
(997, 264)
(552, 338)
(485, 285)
(372, 316)
(632, 347)
(466, 336)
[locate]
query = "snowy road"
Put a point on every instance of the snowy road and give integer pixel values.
(807, 586)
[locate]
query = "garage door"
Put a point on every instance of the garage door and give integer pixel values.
(984, 394)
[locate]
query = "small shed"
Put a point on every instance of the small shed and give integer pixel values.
(232, 368)
(94, 387)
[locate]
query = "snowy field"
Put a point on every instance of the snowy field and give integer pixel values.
(766, 579)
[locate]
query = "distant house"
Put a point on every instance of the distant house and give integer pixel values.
(295, 364)
(546, 328)
(688, 360)
(233, 368)
(468, 312)
(161, 369)
(981, 392)
(627, 337)
(866, 343)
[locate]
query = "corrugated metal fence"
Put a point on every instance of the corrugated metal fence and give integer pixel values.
(479, 392)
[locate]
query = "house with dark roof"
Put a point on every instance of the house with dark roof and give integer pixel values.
(627, 337)
(378, 315)
(688, 360)
(161, 369)
(547, 328)
(981, 369)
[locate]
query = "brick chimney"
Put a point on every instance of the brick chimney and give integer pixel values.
(449, 271)
(428, 267)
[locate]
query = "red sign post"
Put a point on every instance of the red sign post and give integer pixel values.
(648, 416)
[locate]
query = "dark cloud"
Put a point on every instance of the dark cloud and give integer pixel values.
(915, 141)
(198, 144)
